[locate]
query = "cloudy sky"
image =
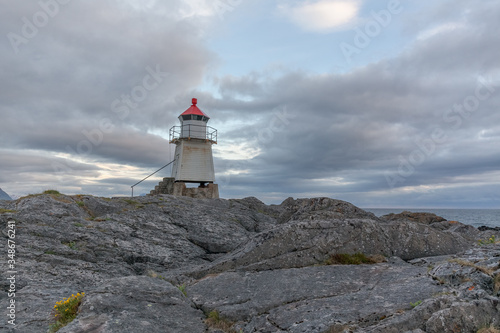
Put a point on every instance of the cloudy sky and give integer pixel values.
(380, 103)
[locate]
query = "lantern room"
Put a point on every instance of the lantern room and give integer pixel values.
(193, 126)
(194, 122)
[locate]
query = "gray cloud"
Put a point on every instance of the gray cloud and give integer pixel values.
(64, 80)
(357, 126)
(344, 134)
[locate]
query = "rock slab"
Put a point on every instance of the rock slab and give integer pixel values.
(163, 263)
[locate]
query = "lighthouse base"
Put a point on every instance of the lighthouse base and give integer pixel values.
(169, 186)
(211, 191)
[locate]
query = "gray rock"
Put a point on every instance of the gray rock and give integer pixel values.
(34, 305)
(136, 304)
(265, 261)
(312, 299)
(413, 320)
(464, 317)
(128, 304)
(468, 303)
(420, 217)
(320, 209)
(300, 244)
(436, 222)
(104, 238)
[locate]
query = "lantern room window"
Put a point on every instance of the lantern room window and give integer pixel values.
(195, 117)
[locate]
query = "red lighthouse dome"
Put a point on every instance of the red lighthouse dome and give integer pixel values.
(194, 111)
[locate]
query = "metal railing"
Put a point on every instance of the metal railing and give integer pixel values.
(191, 131)
(163, 167)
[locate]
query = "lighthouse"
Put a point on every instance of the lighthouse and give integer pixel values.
(193, 160)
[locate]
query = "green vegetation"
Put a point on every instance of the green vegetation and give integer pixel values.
(80, 203)
(353, 259)
(72, 245)
(182, 288)
(78, 225)
(216, 322)
(414, 305)
(52, 192)
(131, 202)
(50, 252)
(65, 311)
(491, 240)
(30, 196)
(4, 211)
(56, 195)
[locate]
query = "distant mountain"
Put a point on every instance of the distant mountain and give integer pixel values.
(4, 196)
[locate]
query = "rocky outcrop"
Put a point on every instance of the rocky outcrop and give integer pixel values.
(313, 299)
(137, 304)
(163, 263)
(420, 217)
(436, 222)
(306, 243)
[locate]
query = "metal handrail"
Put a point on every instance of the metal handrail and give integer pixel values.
(176, 133)
(163, 167)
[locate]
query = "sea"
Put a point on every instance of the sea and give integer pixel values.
(474, 217)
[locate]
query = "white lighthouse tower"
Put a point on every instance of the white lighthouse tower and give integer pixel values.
(193, 161)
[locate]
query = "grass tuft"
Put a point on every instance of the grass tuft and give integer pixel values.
(71, 245)
(483, 269)
(353, 259)
(182, 288)
(414, 305)
(131, 202)
(338, 328)
(496, 284)
(216, 322)
(52, 192)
